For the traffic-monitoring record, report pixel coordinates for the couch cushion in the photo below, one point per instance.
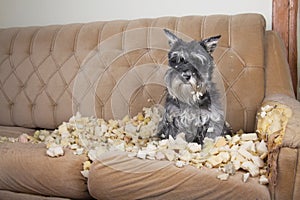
(26, 168)
(8, 195)
(49, 72)
(12, 131)
(116, 176)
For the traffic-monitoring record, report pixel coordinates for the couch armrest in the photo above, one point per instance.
(277, 71)
(278, 122)
(283, 140)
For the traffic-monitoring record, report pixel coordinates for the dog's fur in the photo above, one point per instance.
(193, 102)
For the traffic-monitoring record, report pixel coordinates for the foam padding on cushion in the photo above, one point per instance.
(26, 168)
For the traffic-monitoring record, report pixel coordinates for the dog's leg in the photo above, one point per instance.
(166, 126)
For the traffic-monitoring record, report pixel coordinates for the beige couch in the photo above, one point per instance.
(49, 73)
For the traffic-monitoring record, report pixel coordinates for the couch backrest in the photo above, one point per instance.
(114, 68)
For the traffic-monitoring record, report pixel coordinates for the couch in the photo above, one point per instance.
(113, 68)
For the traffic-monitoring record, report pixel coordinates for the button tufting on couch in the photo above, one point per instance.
(109, 69)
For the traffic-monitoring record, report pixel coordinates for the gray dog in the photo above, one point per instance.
(193, 103)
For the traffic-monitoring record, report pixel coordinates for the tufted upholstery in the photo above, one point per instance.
(110, 69)
(114, 68)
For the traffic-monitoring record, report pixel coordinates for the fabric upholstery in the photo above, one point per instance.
(288, 178)
(279, 89)
(113, 68)
(8, 195)
(292, 135)
(278, 78)
(287, 165)
(48, 73)
(147, 179)
(11, 131)
(25, 168)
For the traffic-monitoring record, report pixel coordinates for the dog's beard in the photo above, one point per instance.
(187, 91)
(192, 103)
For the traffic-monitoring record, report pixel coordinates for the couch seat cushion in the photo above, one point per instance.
(117, 176)
(13, 131)
(26, 168)
(9, 195)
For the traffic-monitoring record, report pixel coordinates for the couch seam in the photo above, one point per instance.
(124, 30)
(9, 101)
(42, 81)
(99, 39)
(176, 25)
(67, 88)
(33, 39)
(59, 66)
(229, 31)
(53, 43)
(295, 172)
(202, 27)
(13, 67)
(76, 38)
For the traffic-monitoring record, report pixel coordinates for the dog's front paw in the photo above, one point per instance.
(227, 129)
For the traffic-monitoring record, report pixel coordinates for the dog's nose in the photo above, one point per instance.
(186, 77)
(181, 60)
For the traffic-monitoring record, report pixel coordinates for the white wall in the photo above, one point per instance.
(44, 12)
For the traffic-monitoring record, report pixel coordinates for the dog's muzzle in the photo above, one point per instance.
(199, 89)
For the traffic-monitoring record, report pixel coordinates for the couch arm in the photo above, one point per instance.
(278, 122)
(283, 137)
(277, 72)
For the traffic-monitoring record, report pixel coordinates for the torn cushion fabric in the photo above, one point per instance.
(285, 163)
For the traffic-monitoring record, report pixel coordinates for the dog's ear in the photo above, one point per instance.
(210, 44)
(172, 38)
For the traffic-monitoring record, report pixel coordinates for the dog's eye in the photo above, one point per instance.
(173, 61)
(177, 60)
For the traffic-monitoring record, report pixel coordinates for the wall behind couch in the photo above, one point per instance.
(43, 12)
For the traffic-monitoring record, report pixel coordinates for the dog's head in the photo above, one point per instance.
(191, 67)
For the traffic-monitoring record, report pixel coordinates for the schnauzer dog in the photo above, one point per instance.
(193, 103)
